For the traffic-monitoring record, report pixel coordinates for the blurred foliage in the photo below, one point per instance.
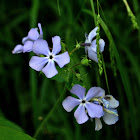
(27, 96)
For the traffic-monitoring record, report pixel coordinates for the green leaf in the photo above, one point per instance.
(62, 75)
(6, 123)
(11, 134)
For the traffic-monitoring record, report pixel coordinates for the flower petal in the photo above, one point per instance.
(56, 45)
(28, 46)
(94, 92)
(37, 63)
(41, 47)
(33, 34)
(62, 59)
(93, 45)
(92, 34)
(40, 28)
(69, 103)
(80, 114)
(78, 90)
(98, 124)
(94, 111)
(49, 70)
(102, 45)
(24, 39)
(112, 102)
(92, 55)
(110, 118)
(17, 49)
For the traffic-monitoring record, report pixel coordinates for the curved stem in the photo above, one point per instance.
(73, 50)
(49, 114)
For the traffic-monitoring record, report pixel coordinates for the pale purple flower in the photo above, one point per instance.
(91, 50)
(28, 41)
(47, 64)
(110, 116)
(85, 105)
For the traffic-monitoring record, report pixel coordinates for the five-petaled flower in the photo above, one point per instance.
(85, 106)
(91, 50)
(28, 41)
(110, 116)
(47, 64)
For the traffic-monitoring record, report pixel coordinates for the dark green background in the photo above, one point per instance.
(18, 82)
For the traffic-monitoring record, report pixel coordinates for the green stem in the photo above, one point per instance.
(105, 74)
(73, 50)
(49, 114)
(75, 65)
(33, 79)
(58, 7)
(93, 11)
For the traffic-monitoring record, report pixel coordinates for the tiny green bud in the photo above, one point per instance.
(85, 61)
(78, 45)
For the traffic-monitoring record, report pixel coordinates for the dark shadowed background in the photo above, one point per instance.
(70, 20)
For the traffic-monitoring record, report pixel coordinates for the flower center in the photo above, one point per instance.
(50, 57)
(83, 101)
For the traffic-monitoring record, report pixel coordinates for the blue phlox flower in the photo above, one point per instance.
(85, 106)
(47, 64)
(91, 50)
(28, 41)
(110, 116)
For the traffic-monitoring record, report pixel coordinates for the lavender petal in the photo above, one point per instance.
(33, 34)
(92, 34)
(80, 114)
(69, 103)
(98, 124)
(78, 90)
(95, 92)
(110, 118)
(24, 39)
(41, 47)
(28, 46)
(101, 45)
(62, 59)
(40, 28)
(37, 63)
(17, 49)
(92, 55)
(56, 45)
(113, 103)
(49, 70)
(94, 111)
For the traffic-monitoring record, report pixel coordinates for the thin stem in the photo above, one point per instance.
(93, 11)
(73, 50)
(58, 7)
(50, 113)
(75, 65)
(33, 81)
(105, 74)
(98, 6)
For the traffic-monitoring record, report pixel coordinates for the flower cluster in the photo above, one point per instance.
(91, 47)
(35, 42)
(94, 104)
(28, 41)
